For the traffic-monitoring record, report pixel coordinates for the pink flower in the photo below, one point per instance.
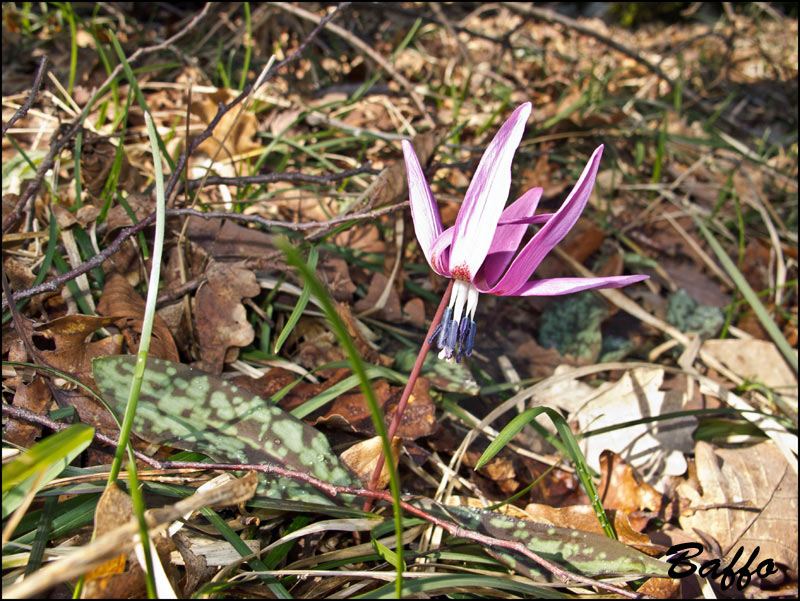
(481, 250)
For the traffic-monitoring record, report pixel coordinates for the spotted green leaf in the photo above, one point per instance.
(190, 409)
(587, 553)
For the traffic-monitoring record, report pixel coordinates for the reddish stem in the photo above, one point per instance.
(412, 378)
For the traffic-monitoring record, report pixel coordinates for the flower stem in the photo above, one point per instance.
(412, 378)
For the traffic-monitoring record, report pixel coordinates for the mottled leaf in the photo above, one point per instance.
(689, 316)
(190, 409)
(578, 551)
(572, 325)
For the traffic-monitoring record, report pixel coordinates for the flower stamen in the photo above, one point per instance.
(455, 335)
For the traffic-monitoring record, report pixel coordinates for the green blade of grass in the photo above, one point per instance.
(573, 450)
(293, 258)
(299, 307)
(750, 295)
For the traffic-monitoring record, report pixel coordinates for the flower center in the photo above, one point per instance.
(455, 335)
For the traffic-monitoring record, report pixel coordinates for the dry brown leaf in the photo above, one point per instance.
(72, 354)
(111, 580)
(748, 499)
(221, 317)
(20, 276)
(124, 307)
(622, 489)
(142, 206)
(391, 311)
(35, 397)
(365, 237)
(583, 517)
(661, 588)
(415, 313)
(242, 126)
(97, 159)
(333, 270)
(350, 410)
(362, 458)
(226, 240)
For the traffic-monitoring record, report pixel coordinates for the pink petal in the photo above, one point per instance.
(511, 228)
(440, 252)
(540, 218)
(557, 286)
(424, 212)
(552, 232)
(485, 197)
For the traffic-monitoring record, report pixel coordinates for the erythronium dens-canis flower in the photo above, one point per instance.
(481, 250)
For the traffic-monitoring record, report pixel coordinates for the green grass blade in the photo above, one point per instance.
(293, 258)
(299, 307)
(750, 295)
(571, 444)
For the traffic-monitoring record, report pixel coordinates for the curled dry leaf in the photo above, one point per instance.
(125, 308)
(621, 488)
(220, 315)
(583, 517)
(72, 354)
(111, 580)
(34, 397)
(351, 410)
(362, 458)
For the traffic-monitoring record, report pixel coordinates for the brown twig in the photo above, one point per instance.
(334, 489)
(56, 426)
(98, 259)
(287, 176)
(23, 110)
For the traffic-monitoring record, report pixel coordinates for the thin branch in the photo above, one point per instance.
(287, 176)
(114, 246)
(23, 110)
(56, 426)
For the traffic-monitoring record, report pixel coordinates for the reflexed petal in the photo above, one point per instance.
(551, 233)
(485, 197)
(507, 237)
(557, 286)
(424, 211)
(440, 252)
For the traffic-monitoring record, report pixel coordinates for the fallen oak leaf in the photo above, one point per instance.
(125, 308)
(72, 354)
(221, 317)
